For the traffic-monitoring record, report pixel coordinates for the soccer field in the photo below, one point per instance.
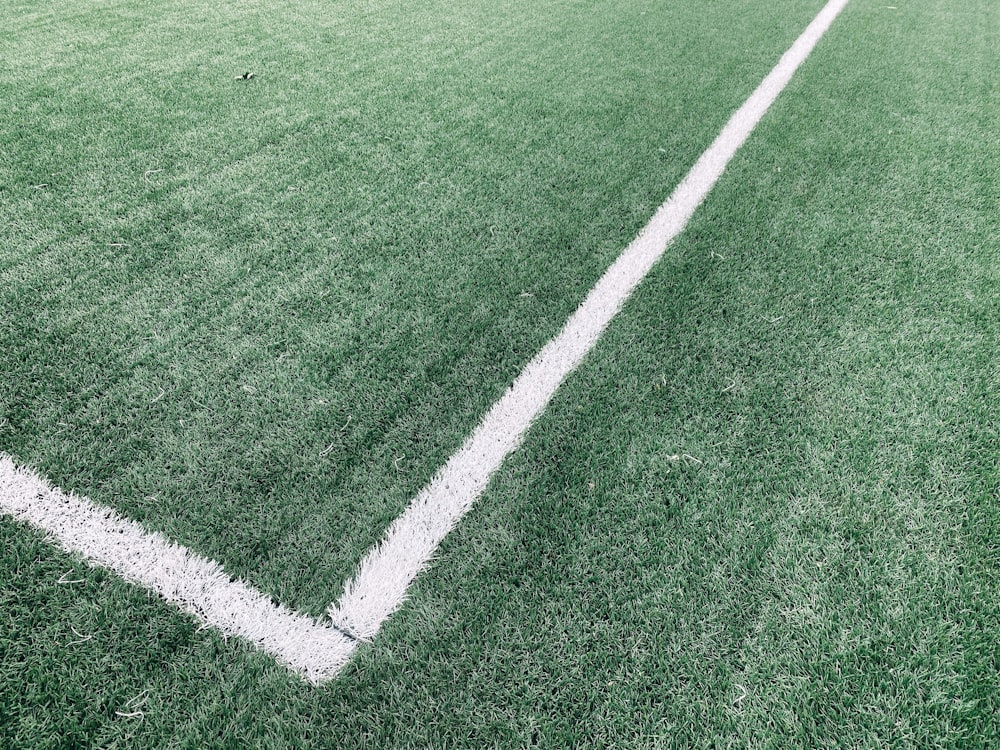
(257, 314)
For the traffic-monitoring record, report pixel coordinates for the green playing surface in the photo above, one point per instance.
(257, 315)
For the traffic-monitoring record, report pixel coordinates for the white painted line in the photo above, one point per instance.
(313, 649)
(380, 583)
(196, 584)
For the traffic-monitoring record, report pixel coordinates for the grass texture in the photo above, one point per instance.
(762, 514)
(257, 315)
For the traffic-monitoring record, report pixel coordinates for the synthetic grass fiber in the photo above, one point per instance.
(257, 315)
(762, 514)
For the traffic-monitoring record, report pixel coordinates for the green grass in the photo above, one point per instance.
(822, 572)
(219, 274)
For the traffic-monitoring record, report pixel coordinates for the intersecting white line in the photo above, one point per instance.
(318, 650)
(194, 583)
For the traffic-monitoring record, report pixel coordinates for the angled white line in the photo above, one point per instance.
(194, 583)
(379, 586)
(314, 649)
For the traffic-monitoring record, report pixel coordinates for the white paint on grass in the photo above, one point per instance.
(379, 586)
(196, 584)
(317, 650)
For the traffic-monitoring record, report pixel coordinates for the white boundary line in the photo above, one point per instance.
(379, 586)
(316, 650)
(194, 583)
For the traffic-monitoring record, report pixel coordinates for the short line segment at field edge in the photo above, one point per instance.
(318, 650)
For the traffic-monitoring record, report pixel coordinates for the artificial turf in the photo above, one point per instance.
(762, 514)
(256, 315)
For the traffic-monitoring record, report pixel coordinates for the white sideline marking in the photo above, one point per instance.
(379, 586)
(196, 584)
(318, 651)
